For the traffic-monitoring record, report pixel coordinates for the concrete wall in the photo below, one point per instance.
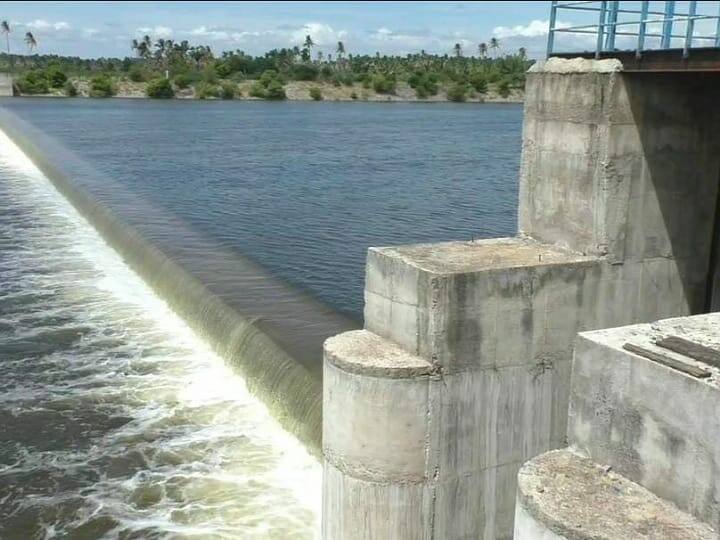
(496, 320)
(655, 425)
(623, 165)
(6, 85)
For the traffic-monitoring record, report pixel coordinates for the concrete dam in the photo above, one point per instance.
(469, 358)
(272, 332)
(557, 384)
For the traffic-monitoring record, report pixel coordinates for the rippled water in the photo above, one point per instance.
(115, 420)
(303, 188)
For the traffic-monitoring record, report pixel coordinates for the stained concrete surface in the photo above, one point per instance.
(562, 495)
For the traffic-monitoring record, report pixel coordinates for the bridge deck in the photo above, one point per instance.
(662, 60)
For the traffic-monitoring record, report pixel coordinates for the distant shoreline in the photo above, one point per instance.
(298, 91)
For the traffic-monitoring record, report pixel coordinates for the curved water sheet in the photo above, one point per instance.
(115, 419)
(271, 331)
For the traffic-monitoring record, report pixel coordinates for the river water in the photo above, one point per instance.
(115, 420)
(118, 419)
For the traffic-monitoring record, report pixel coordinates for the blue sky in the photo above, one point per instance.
(92, 29)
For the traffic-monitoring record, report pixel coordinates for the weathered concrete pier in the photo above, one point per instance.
(6, 85)
(644, 438)
(462, 372)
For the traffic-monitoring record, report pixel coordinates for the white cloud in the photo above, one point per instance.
(534, 28)
(42, 24)
(209, 33)
(322, 34)
(156, 32)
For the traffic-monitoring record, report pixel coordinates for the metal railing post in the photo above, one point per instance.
(717, 30)
(551, 28)
(612, 21)
(601, 29)
(643, 27)
(667, 25)
(690, 28)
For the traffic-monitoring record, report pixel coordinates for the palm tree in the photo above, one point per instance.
(522, 51)
(483, 50)
(340, 49)
(457, 49)
(494, 44)
(5, 29)
(30, 41)
(143, 47)
(309, 42)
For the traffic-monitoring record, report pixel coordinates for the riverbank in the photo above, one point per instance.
(300, 91)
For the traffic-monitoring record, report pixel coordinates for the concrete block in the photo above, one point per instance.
(467, 290)
(649, 421)
(563, 495)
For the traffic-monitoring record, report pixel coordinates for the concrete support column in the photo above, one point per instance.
(618, 190)
(378, 477)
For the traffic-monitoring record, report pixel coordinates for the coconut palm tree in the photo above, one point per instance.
(309, 44)
(457, 49)
(494, 44)
(522, 51)
(5, 29)
(483, 49)
(30, 41)
(142, 48)
(340, 49)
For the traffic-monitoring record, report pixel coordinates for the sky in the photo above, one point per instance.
(95, 29)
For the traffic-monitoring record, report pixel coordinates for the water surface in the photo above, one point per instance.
(303, 188)
(115, 420)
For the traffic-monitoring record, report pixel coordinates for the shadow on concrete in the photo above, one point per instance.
(678, 119)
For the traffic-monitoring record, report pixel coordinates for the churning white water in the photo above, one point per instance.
(115, 419)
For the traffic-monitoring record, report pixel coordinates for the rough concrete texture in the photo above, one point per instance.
(612, 161)
(576, 65)
(611, 164)
(6, 85)
(562, 495)
(656, 425)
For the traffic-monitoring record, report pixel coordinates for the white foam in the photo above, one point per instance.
(194, 375)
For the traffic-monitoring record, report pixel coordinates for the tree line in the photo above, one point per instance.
(168, 66)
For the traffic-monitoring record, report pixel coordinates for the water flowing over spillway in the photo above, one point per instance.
(115, 416)
(158, 284)
(272, 332)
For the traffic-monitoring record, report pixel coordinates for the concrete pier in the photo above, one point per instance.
(644, 439)
(618, 194)
(6, 85)
(564, 496)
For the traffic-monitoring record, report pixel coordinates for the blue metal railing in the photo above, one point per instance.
(631, 20)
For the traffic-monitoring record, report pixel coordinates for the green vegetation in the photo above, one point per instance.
(503, 88)
(206, 90)
(101, 86)
(33, 82)
(55, 77)
(269, 86)
(70, 89)
(425, 84)
(160, 88)
(228, 90)
(458, 92)
(185, 79)
(136, 74)
(316, 93)
(460, 73)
